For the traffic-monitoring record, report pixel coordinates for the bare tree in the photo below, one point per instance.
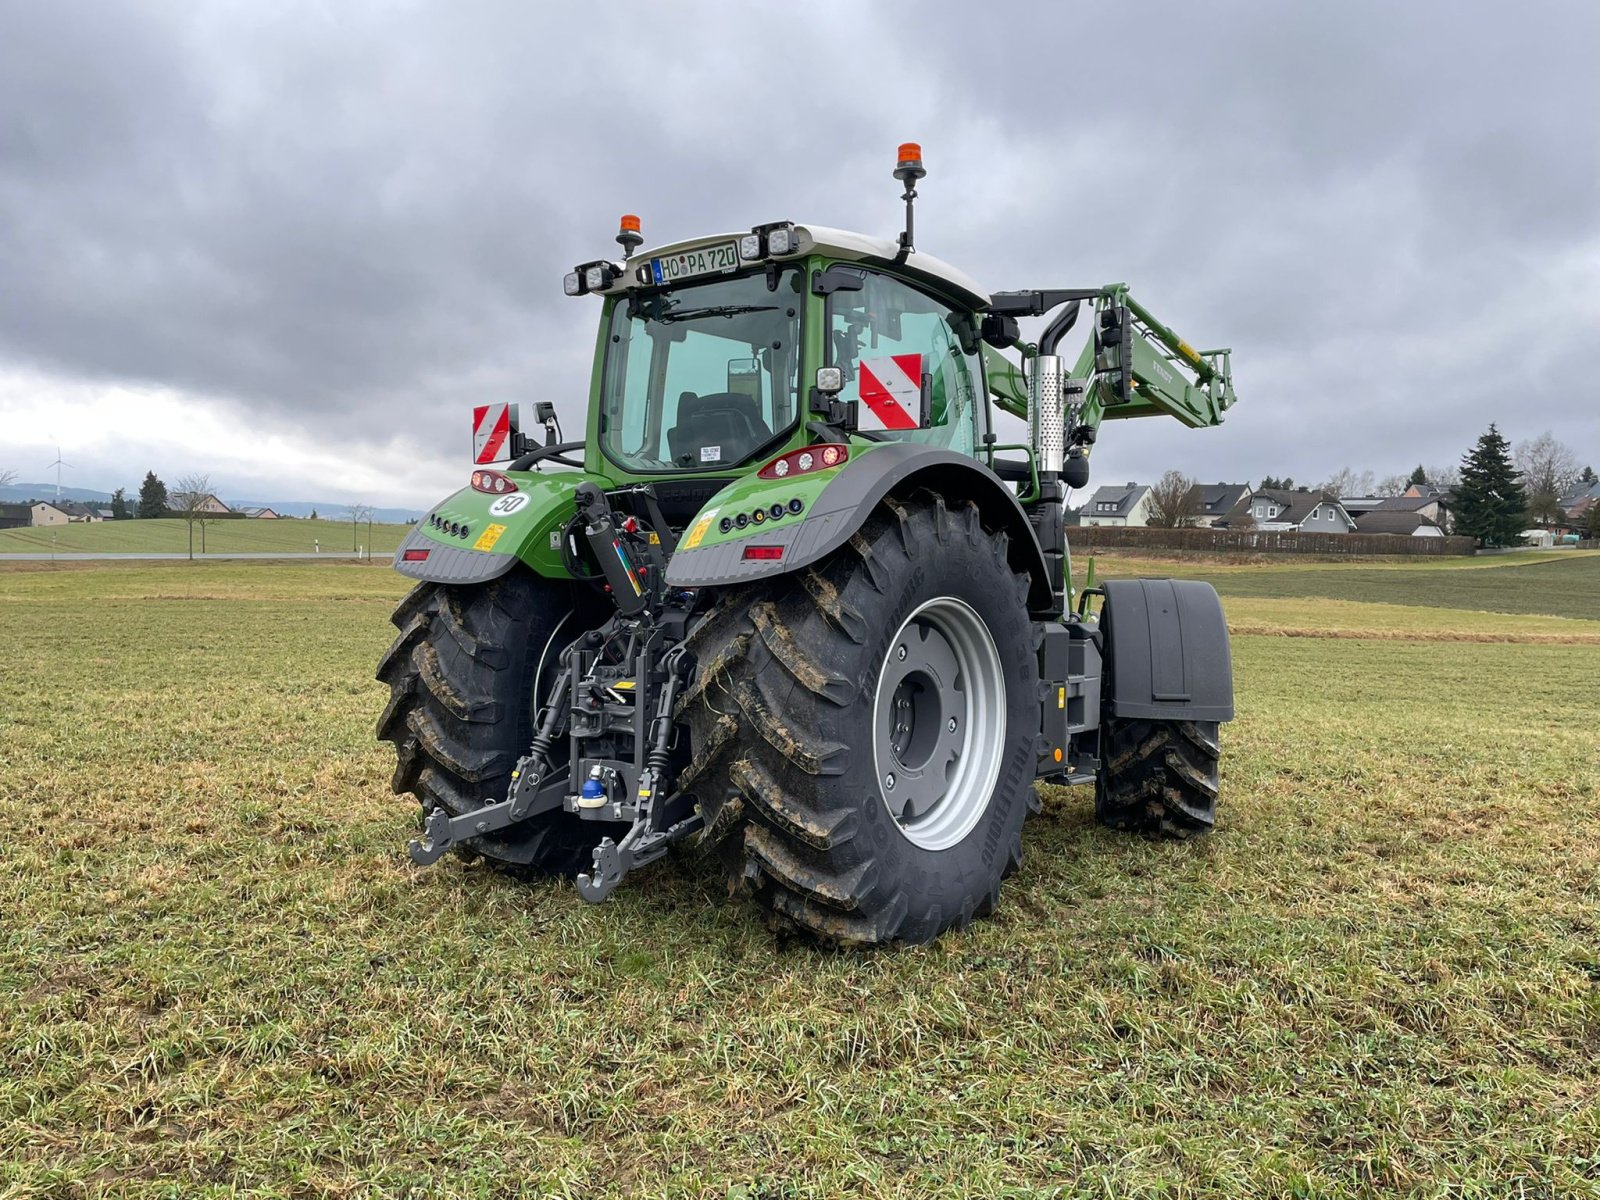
(1173, 501)
(1445, 478)
(189, 502)
(1244, 522)
(1548, 469)
(1392, 485)
(7, 476)
(359, 513)
(1346, 482)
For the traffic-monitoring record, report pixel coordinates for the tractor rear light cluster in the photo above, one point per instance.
(763, 553)
(799, 462)
(458, 529)
(492, 482)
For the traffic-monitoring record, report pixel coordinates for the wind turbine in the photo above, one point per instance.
(58, 464)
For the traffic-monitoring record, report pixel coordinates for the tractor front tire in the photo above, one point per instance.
(1158, 777)
(462, 675)
(863, 732)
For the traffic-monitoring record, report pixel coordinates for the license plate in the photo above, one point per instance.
(707, 260)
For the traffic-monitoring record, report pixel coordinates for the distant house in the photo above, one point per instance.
(1112, 505)
(45, 513)
(106, 514)
(1408, 524)
(77, 513)
(1273, 510)
(260, 514)
(1423, 498)
(1211, 502)
(178, 502)
(16, 516)
(1577, 503)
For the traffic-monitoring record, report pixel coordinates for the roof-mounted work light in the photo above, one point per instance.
(590, 277)
(778, 238)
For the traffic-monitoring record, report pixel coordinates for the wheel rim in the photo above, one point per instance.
(939, 723)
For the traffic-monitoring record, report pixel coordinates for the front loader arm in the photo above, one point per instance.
(1168, 376)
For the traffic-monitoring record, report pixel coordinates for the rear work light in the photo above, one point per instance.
(763, 553)
(799, 462)
(492, 482)
(415, 556)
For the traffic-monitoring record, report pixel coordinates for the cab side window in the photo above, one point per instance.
(890, 340)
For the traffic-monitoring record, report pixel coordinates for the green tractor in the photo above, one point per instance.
(792, 602)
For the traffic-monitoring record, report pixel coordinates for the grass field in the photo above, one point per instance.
(171, 535)
(220, 977)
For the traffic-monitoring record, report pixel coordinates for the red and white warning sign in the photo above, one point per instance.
(492, 427)
(891, 392)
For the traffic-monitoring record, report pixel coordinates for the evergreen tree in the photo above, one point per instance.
(1490, 503)
(119, 505)
(1270, 482)
(1418, 477)
(152, 497)
(1587, 476)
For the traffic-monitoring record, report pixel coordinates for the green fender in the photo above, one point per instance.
(836, 503)
(498, 531)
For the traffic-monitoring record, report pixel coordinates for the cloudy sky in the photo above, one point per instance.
(292, 243)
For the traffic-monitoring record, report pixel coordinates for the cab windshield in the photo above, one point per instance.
(703, 376)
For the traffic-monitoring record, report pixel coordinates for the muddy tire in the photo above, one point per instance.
(803, 706)
(1158, 777)
(461, 678)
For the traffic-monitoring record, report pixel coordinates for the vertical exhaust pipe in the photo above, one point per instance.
(1046, 413)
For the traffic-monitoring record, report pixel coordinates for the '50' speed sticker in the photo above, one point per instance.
(507, 505)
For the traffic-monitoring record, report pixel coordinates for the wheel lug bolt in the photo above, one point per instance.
(901, 654)
(952, 724)
(888, 781)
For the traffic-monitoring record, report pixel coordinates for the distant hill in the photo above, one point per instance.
(331, 509)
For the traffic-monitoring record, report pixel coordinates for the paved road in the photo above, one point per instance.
(65, 556)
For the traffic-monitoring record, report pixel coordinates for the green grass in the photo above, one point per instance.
(219, 976)
(1560, 583)
(171, 535)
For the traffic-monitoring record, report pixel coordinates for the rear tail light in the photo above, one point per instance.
(763, 553)
(415, 556)
(812, 458)
(492, 482)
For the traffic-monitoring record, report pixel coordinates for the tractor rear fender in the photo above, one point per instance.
(1166, 651)
(473, 536)
(709, 556)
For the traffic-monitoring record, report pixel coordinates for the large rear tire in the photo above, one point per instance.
(463, 675)
(864, 732)
(1158, 777)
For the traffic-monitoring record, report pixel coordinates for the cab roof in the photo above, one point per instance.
(845, 246)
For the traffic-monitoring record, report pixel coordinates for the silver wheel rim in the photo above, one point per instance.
(938, 723)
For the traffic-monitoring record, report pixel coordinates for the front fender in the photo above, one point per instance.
(497, 531)
(836, 503)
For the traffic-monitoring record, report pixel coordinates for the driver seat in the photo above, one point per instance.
(729, 421)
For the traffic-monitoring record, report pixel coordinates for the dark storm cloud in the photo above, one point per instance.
(354, 217)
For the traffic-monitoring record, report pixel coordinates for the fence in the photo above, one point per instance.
(1250, 541)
